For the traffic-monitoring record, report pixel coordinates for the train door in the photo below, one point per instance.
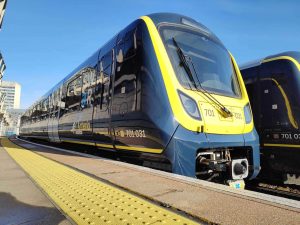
(103, 135)
(49, 128)
(44, 117)
(127, 91)
(84, 124)
(53, 116)
(76, 116)
(69, 113)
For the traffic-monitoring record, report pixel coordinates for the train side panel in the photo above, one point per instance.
(141, 115)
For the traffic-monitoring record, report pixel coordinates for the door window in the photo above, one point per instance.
(105, 76)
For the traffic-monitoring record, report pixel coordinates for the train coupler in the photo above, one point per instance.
(214, 163)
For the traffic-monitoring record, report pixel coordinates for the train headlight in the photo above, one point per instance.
(247, 113)
(190, 106)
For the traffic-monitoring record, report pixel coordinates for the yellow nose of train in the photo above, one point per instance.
(218, 123)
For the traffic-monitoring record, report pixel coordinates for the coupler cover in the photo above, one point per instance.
(239, 169)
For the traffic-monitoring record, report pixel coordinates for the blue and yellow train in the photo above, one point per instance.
(273, 85)
(164, 88)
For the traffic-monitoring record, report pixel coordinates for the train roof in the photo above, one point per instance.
(159, 18)
(294, 54)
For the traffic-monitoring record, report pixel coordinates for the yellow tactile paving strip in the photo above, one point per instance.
(86, 200)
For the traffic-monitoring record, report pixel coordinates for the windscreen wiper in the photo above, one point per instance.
(184, 62)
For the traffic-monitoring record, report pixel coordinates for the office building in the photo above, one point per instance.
(10, 95)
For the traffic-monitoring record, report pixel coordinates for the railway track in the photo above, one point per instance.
(286, 191)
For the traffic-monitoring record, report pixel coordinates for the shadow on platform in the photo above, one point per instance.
(13, 211)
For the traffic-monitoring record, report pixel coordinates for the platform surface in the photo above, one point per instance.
(205, 201)
(87, 200)
(21, 202)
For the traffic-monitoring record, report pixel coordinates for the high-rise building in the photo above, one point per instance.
(2, 64)
(2, 67)
(2, 10)
(9, 92)
(10, 95)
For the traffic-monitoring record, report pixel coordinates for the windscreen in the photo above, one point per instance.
(210, 62)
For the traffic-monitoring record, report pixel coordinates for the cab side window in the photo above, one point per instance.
(128, 45)
(126, 77)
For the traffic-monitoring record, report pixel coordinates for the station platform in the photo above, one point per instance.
(21, 201)
(85, 189)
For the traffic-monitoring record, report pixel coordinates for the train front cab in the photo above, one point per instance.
(208, 141)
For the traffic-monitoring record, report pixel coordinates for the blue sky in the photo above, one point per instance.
(42, 41)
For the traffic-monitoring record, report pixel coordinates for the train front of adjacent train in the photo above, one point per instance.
(215, 136)
(273, 87)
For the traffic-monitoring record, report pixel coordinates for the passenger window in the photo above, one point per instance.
(39, 111)
(45, 109)
(105, 73)
(52, 106)
(54, 102)
(34, 114)
(31, 115)
(63, 97)
(88, 87)
(98, 88)
(50, 102)
(74, 94)
(56, 97)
